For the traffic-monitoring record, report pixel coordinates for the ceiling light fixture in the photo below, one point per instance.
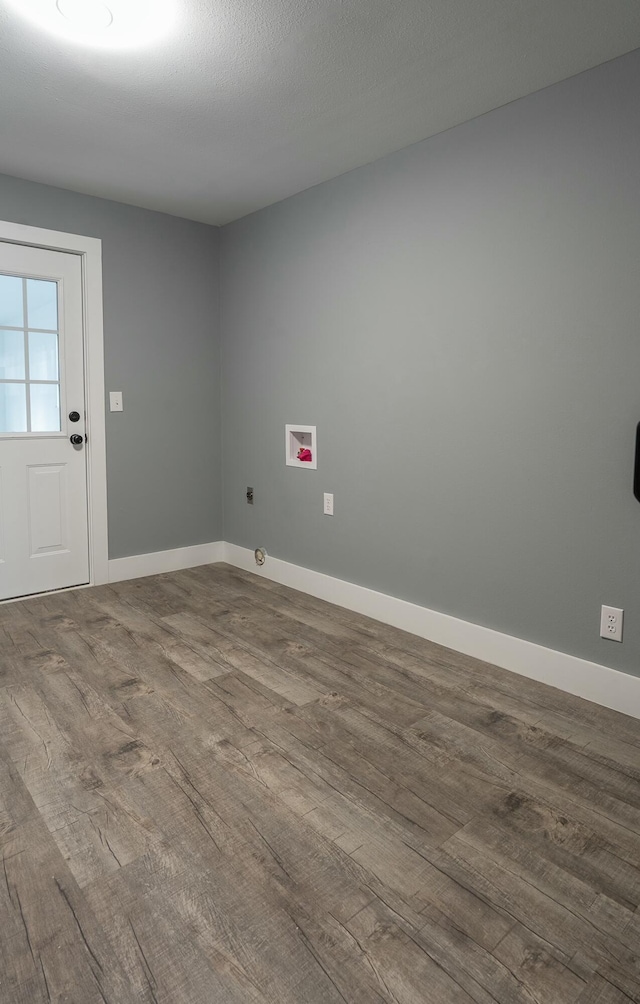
(104, 24)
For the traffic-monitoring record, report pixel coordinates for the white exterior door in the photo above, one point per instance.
(43, 475)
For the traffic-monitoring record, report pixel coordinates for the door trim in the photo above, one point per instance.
(90, 251)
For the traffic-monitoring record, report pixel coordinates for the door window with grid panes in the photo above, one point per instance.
(29, 355)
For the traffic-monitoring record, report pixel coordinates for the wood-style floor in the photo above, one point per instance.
(215, 790)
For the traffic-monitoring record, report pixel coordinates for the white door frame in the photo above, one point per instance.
(90, 251)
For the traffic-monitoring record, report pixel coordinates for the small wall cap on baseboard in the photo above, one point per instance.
(260, 554)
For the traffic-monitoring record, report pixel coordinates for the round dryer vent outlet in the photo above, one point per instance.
(260, 555)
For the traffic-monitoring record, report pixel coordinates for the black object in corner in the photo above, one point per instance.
(636, 472)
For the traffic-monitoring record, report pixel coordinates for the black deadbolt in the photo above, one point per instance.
(76, 439)
(74, 416)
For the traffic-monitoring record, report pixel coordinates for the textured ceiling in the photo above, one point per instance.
(253, 100)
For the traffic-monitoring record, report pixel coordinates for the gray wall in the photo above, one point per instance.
(462, 321)
(162, 351)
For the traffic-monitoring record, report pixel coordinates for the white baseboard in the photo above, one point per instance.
(605, 686)
(139, 565)
(600, 684)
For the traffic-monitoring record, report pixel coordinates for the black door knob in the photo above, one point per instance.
(74, 416)
(76, 439)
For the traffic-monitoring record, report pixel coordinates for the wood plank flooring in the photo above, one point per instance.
(216, 790)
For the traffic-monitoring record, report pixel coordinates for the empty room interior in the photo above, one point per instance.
(319, 502)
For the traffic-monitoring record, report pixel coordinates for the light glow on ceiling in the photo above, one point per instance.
(90, 16)
(104, 24)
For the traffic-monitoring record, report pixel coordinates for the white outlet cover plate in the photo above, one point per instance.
(611, 619)
(328, 503)
(115, 400)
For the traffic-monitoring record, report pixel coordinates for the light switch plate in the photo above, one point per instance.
(115, 400)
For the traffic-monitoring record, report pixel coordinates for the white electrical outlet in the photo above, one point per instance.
(115, 400)
(328, 504)
(611, 623)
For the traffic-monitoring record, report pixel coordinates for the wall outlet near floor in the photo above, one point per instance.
(328, 504)
(250, 496)
(611, 623)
